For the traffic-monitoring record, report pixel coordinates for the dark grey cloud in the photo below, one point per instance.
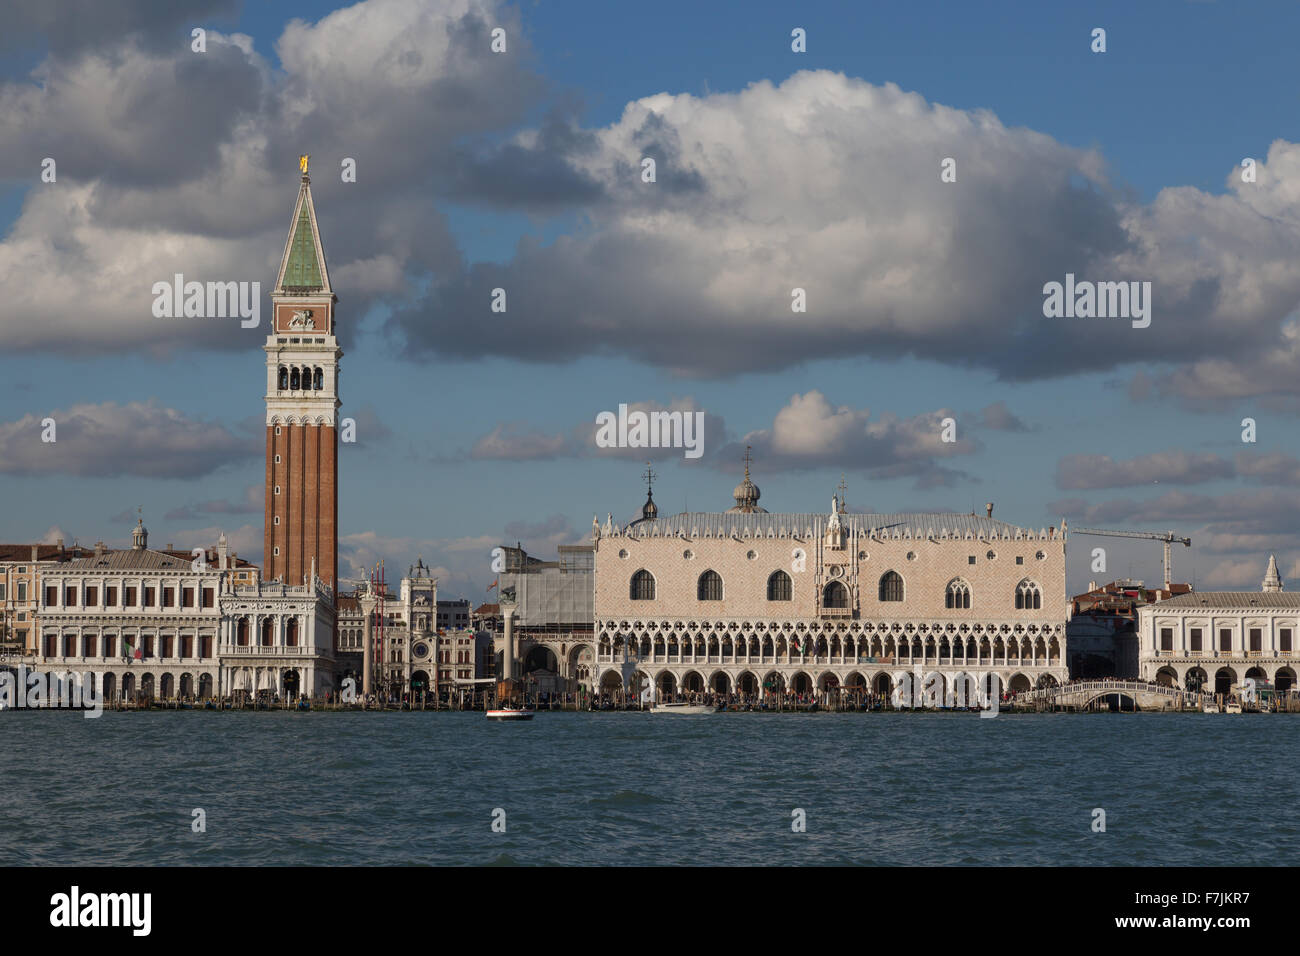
(128, 117)
(525, 530)
(1085, 471)
(1255, 511)
(68, 26)
(1268, 469)
(252, 502)
(997, 417)
(807, 433)
(538, 175)
(1232, 533)
(1169, 467)
(521, 441)
(143, 439)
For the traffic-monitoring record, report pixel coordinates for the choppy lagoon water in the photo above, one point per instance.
(619, 788)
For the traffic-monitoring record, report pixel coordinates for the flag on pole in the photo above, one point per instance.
(493, 584)
(131, 649)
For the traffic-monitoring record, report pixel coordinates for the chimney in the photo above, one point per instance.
(169, 546)
(59, 542)
(99, 550)
(36, 549)
(988, 507)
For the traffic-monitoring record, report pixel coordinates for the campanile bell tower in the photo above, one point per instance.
(302, 369)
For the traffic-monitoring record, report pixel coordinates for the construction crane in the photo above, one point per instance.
(1168, 537)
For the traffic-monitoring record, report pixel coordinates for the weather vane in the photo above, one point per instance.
(302, 163)
(649, 477)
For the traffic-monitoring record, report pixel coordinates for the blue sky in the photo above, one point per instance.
(1182, 94)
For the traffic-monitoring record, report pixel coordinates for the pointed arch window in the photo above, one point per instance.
(318, 380)
(643, 586)
(294, 380)
(891, 586)
(1028, 596)
(835, 595)
(709, 587)
(957, 595)
(779, 587)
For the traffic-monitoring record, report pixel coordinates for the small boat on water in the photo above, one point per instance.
(510, 712)
(1232, 707)
(682, 708)
(1210, 707)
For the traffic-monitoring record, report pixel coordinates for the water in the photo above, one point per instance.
(613, 788)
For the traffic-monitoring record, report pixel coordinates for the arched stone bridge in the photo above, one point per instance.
(1080, 696)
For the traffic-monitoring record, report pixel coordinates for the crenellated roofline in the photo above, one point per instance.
(903, 526)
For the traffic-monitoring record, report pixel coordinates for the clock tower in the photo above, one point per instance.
(302, 369)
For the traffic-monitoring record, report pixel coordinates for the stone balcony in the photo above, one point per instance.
(275, 650)
(835, 612)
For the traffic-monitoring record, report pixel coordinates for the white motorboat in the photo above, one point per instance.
(1232, 707)
(682, 708)
(1210, 707)
(510, 712)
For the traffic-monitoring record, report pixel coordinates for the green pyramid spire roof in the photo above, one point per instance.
(303, 266)
(302, 271)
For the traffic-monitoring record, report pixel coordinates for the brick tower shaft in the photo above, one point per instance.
(302, 369)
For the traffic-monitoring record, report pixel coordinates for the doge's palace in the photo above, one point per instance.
(746, 600)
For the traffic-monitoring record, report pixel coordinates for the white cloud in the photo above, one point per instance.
(53, 534)
(809, 432)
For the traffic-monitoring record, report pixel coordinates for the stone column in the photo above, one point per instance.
(508, 649)
(366, 678)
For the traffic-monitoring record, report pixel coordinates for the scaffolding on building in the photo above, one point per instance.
(553, 596)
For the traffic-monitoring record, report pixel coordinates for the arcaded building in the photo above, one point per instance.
(743, 600)
(1212, 640)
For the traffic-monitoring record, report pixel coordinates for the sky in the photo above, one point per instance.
(775, 170)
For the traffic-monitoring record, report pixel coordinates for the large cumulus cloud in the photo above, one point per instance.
(831, 184)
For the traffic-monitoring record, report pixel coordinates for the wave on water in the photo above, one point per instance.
(627, 798)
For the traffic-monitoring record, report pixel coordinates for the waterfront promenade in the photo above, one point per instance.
(1082, 696)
